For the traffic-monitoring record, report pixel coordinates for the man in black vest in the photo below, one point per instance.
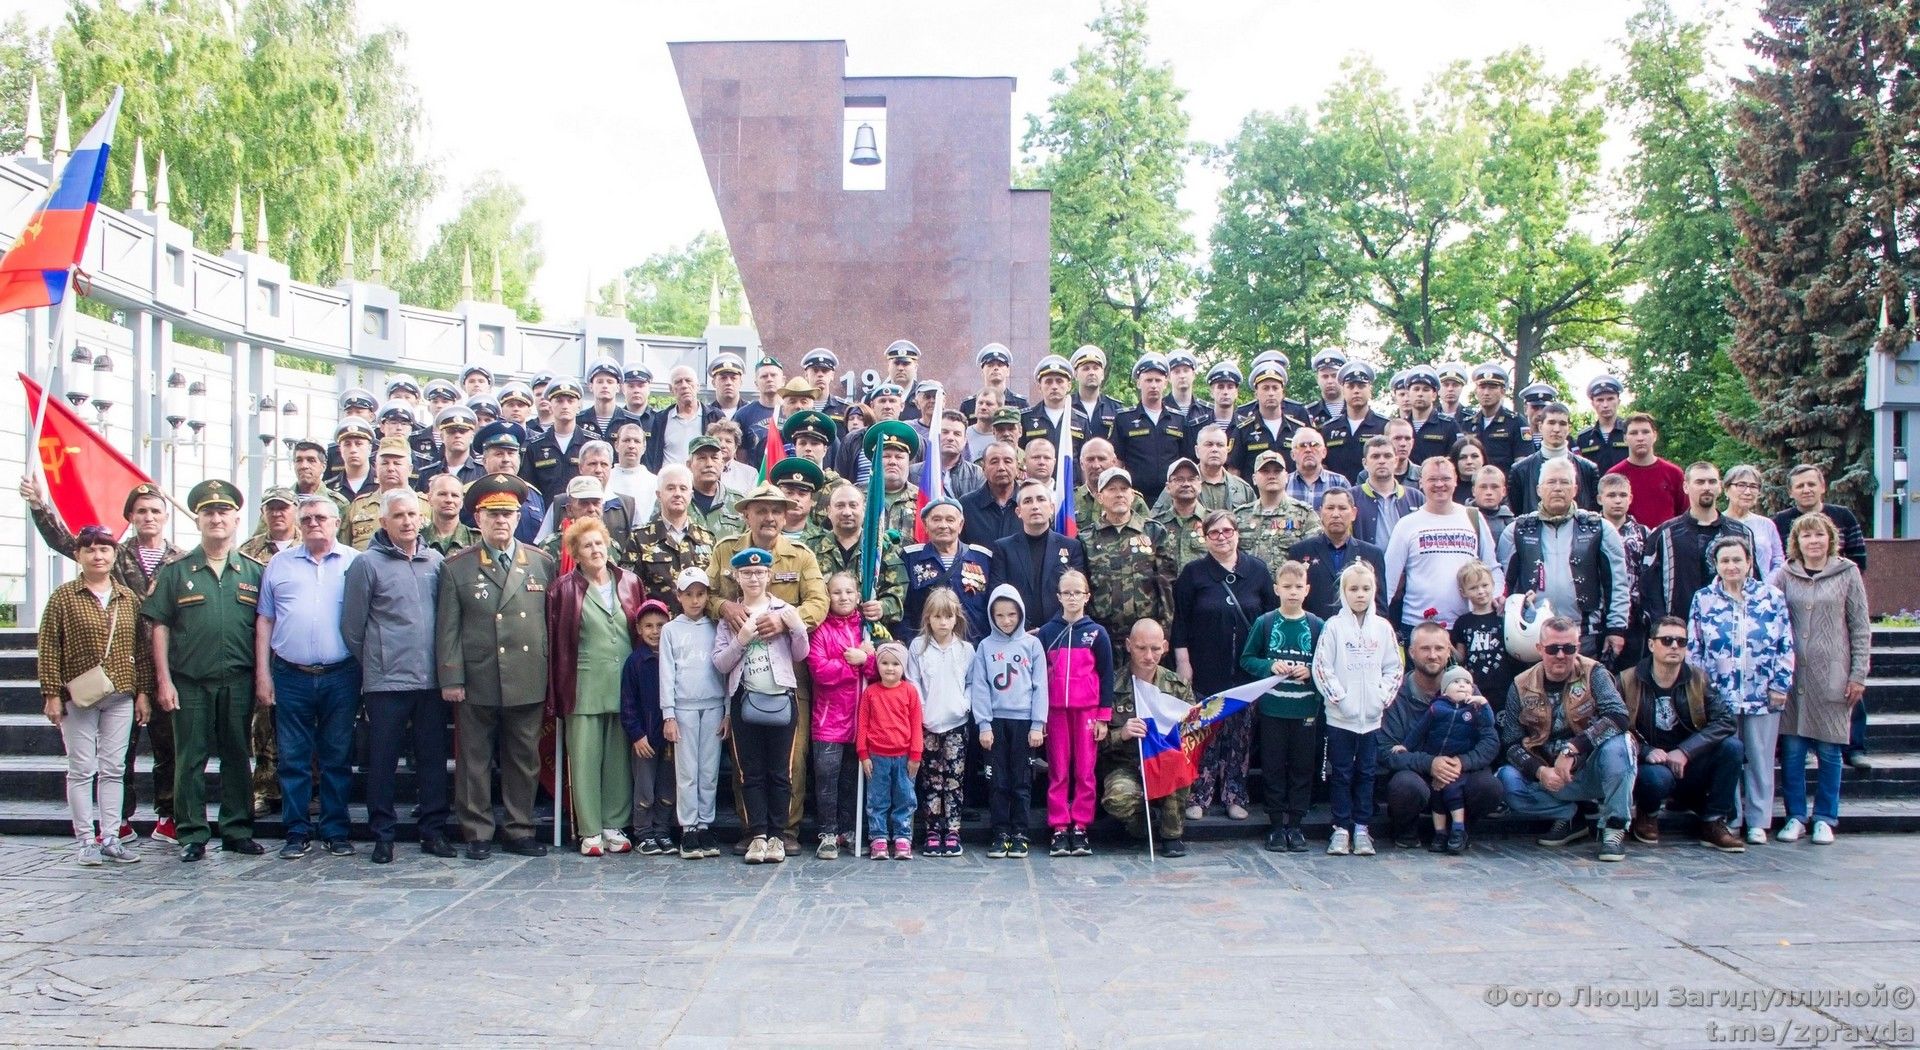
(1574, 559)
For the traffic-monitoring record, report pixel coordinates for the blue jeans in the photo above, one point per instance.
(1708, 788)
(1793, 778)
(1605, 777)
(1351, 760)
(313, 716)
(890, 798)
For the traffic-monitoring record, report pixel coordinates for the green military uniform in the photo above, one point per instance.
(462, 537)
(724, 519)
(1184, 535)
(1132, 571)
(1269, 533)
(1118, 765)
(209, 620)
(362, 519)
(890, 592)
(491, 640)
(1229, 492)
(657, 558)
(900, 510)
(829, 480)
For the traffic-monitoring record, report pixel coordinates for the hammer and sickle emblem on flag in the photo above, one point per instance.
(53, 457)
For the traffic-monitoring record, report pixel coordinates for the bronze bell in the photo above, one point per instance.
(866, 151)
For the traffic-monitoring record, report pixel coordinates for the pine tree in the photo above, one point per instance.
(1826, 169)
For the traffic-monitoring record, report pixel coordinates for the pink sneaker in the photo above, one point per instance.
(878, 851)
(902, 849)
(953, 844)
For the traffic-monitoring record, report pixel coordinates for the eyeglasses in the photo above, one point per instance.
(1217, 533)
(1072, 594)
(1671, 639)
(1563, 649)
(311, 519)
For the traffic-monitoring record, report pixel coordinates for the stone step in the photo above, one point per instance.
(1863, 815)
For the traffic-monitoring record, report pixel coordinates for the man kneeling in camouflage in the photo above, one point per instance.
(1118, 765)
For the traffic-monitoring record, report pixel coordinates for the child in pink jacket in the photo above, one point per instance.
(1079, 696)
(842, 663)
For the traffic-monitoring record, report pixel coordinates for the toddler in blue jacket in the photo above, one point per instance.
(1455, 722)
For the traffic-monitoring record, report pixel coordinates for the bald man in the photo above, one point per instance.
(1118, 765)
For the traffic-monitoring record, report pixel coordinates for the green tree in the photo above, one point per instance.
(488, 222)
(26, 55)
(286, 98)
(1829, 186)
(670, 293)
(1267, 283)
(1682, 210)
(1113, 148)
(1540, 283)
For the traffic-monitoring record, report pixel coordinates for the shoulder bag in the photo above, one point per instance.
(92, 685)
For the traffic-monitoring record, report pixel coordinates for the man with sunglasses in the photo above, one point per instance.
(1564, 731)
(1689, 751)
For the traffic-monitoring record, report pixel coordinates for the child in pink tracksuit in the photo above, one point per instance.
(842, 663)
(1079, 694)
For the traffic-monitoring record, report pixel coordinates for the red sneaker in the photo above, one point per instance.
(163, 831)
(127, 833)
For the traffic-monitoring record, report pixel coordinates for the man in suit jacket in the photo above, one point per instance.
(1033, 558)
(1328, 553)
(491, 643)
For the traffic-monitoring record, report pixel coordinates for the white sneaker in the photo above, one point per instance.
(112, 850)
(1337, 846)
(1362, 842)
(616, 840)
(1756, 836)
(1822, 833)
(90, 854)
(593, 846)
(1791, 830)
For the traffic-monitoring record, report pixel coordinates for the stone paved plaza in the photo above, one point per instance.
(1229, 947)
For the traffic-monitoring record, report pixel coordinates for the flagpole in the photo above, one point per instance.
(1146, 804)
(56, 351)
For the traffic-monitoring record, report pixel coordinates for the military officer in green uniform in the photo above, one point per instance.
(838, 550)
(1273, 523)
(893, 451)
(1128, 560)
(1117, 766)
(672, 540)
(799, 479)
(796, 581)
(810, 434)
(202, 608)
(491, 646)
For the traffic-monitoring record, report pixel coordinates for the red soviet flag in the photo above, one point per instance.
(87, 479)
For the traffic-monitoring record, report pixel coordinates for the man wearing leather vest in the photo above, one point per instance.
(1574, 559)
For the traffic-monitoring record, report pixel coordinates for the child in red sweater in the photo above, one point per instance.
(889, 744)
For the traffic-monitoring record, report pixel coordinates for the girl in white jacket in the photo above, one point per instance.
(1357, 667)
(940, 659)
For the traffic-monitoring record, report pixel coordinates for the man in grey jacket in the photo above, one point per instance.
(388, 623)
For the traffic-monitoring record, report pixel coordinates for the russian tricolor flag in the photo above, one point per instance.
(931, 486)
(1063, 480)
(1178, 732)
(36, 270)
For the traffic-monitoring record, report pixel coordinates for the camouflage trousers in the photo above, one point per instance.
(266, 777)
(1122, 798)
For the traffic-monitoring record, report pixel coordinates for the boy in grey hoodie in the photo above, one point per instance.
(1008, 692)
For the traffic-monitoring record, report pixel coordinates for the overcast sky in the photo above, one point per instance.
(577, 103)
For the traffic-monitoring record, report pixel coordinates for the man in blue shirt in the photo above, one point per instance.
(304, 671)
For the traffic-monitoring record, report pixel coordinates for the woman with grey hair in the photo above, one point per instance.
(1743, 484)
